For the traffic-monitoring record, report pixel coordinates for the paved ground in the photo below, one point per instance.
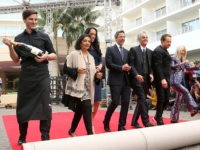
(5, 145)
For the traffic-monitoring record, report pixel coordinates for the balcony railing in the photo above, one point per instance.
(181, 5)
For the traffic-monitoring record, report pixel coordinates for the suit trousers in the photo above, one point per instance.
(163, 99)
(83, 108)
(182, 92)
(45, 126)
(141, 90)
(118, 92)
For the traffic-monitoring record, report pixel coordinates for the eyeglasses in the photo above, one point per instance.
(145, 37)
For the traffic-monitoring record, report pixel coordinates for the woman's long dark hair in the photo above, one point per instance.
(95, 43)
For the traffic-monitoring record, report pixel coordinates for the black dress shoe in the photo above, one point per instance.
(21, 141)
(136, 125)
(148, 124)
(121, 128)
(106, 127)
(174, 121)
(159, 121)
(45, 138)
(72, 134)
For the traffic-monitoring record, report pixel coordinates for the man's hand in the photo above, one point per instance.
(7, 42)
(42, 58)
(139, 78)
(151, 77)
(164, 83)
(126, 67)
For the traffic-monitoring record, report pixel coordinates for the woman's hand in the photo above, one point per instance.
(99, 75)
(81, 70)
(99, 67)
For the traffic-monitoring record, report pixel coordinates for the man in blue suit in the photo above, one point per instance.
(117, 63)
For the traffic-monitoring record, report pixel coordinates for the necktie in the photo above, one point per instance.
(121, 52)
(144, 54)
(145, 69)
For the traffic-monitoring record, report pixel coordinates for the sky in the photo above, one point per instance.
(16, 16)
(13, 16)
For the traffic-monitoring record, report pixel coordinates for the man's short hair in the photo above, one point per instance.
(164, 36)
(118, 32)
(26, 13)
(140, 34)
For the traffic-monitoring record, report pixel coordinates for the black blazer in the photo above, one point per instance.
(161, 64)
(136, 60)
(114, 63)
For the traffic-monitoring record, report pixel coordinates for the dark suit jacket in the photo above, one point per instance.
(136, 60)
(161, 64)
(114, 63)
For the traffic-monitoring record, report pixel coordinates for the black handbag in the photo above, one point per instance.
(70, 72)
(69, 101)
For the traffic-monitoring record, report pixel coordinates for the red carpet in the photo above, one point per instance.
(60, 125)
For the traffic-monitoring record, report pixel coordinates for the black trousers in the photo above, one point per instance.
(118, 92)
(45, 126)
(163, 99)
(83, 108)
(141, 90)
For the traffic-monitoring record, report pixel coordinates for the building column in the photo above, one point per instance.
(3, 78)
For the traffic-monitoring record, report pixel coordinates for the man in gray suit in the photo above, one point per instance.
(117, 63)
(141, 78)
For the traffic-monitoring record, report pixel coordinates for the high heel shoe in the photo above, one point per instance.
(193, 112)
(72, 134)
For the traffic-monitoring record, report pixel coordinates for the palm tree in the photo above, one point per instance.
(74, 21)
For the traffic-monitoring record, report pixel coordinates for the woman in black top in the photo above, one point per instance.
(33, 101)
(97, 55)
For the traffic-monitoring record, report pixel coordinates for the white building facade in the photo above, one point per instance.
(180, 18)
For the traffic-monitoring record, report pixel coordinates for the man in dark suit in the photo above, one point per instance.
(141, 78)
(161, 61)
(117, 63)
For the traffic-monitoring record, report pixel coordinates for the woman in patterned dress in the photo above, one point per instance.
(178, 65)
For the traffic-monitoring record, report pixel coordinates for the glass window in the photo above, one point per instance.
(139, 21)
(160, 12)
(160, 33)
(187, 2)
(191, 25)
(138, 2)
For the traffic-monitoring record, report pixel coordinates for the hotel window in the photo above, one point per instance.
(160, 33)
(191, 25)
(137, 2)
(160, 12)
(138, 21)
(187, 2)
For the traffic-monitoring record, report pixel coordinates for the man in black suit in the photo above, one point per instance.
(117, 63)
(161, 61)
(141, 78)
